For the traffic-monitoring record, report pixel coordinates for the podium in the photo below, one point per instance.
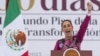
(60, 53)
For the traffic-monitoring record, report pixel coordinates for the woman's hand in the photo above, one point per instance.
(89, 6)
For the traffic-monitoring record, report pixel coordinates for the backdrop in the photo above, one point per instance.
(42, 21)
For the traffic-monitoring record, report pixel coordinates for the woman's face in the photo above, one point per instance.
(67, 28)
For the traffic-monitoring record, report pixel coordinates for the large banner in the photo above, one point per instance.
(42, 20)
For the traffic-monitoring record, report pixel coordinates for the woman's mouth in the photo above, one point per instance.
(67, 31)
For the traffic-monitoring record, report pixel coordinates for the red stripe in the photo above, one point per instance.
(7, 1)
(25, 54)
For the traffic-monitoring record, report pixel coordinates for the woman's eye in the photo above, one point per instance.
(68, 25)
(64, 26)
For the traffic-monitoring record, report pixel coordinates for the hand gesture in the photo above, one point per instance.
(89, 6)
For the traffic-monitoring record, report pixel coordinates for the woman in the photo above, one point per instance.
(71, 41)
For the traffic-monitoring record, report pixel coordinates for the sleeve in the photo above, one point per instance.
(83, 28)
(57, 46)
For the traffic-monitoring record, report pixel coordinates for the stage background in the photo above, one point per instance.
(43, 26)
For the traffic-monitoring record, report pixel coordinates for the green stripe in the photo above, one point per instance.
(12, 12)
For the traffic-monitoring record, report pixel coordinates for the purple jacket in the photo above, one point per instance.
(79, 36)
